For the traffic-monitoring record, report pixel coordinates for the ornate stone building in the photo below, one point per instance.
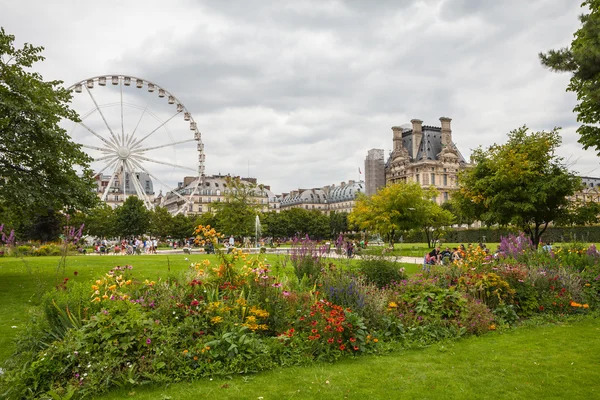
(424, 154)
(196, 198)
(327, 199)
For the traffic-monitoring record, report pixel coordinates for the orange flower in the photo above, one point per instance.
(586, 306)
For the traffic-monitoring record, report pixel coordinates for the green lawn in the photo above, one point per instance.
(555, 361)
(545, 362)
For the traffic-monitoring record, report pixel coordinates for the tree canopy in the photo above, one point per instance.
(236, 215)
(132, 218)
(522, 182)
(400, 208)
(38, 160)
(582, 59)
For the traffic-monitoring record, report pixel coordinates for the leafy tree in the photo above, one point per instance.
(132, 218)
(100, 221)
(38, 160)
(437, 219)
(236, 215)
(523, 182)
(580, 214)
(394, 209)
(338, 223)
(463, 213)
(183, 227)
(47, 226)
(582, 60)
(161, 222)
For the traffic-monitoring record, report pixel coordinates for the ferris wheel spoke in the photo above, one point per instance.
(112, 145)
(136, 184)
(122, 124)
(108, 157)
(102, 115)
(102, 149)
(107, 166)
(190, 198)
(138, 142)
(132, 135)
(162, 146)
(157, 179)
(163, 163)
(109, 185)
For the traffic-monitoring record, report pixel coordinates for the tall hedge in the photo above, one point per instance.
(589, 234)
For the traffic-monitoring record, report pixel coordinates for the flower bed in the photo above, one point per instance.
(241, 315)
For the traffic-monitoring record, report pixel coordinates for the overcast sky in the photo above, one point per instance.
(297, 92)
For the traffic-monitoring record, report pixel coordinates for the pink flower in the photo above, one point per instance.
(148, 341)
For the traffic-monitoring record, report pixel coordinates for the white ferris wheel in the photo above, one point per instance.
(138, 135)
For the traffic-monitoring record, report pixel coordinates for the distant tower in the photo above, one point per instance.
(374, 171)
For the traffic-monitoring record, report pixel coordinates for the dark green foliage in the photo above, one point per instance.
(299, 222)
(132, 218)
(380, 270)
(38, 160)
(582, 60)
(521, 183)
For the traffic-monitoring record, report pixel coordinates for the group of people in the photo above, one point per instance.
(132, 246)
(438, 256)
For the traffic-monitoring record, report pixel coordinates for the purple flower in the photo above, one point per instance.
(148, 341)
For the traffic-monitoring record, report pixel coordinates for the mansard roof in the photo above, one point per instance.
(431, 144)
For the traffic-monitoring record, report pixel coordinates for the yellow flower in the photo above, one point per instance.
(96, 299)
(112, 287)
(216, 320)
(185, 352)
(375, 340)
(392, 305)
(105, 297)
(492, 327)
(128, 282)
(95, 287)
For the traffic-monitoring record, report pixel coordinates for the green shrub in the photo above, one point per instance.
(478, 318)
(380, 271)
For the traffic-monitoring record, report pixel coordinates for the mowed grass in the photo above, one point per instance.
(542, 362)
(553, 361)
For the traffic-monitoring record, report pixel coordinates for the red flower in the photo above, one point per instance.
(342, 347)
(314, 331)
(352, 339)
(356, 348)
(330, 340)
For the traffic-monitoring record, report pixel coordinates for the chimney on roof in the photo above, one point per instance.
(446, 131)
(417, 134)
(397, 138)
